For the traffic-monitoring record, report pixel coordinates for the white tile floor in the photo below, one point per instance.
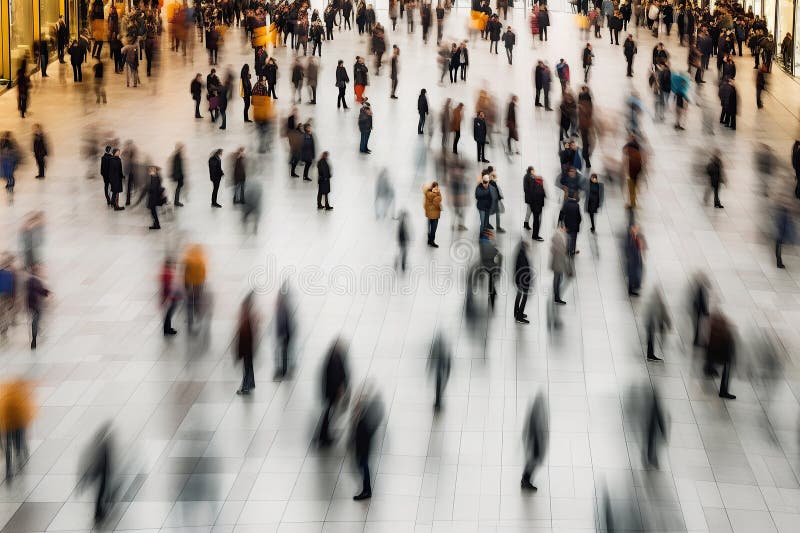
(197, 458)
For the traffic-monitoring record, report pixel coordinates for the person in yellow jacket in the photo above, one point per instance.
(16, 413)
(433, 210)
(194, 278)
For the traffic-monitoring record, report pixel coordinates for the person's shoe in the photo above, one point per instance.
(500, 230)
(119, 209)
(527, 485)
(591, 229)
(526, 226)
(719, 206)
(242, 391)
(368, 151)
(295, 175)
(362, 496)
(653, 358)
(154, 227)
(633, 293)
(222, 127)
(178, 204)
(329, 208)
(489, 226)
(433, 245)
(198, 116)
(539, 105)
(393, 97)
(216, 205)
(560, 302)
(306, 179)
(248, 120)
(485, 161)
(522, 320)
(320, 207)
(537, 238)
(548, 108)
(781, 265)
(324, 443)
(33, 344)
(170, 331)
(727, 395)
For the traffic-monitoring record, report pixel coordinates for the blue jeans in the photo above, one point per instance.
(484, 219)
(364, 140)
(433, 223)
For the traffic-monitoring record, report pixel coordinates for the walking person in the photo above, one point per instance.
(629, 50)
(433, 210)
(570, 218)
(239, 175)
(367, 415)
(535, 437)
(284, 330)
(511, 125)
(560, 262)
(23, 88)
(176, 173)
(271, 75)
(365, 127)
(196, 90)
(308, 151)
(720, 350)
(155, 195)
(594, 198)
(215, 174)
(169, 295)
(76, 56)
(115, 179)
(324, 175)
(483, 199)
(523, 280)
(479, 132)
(35, 294)
(716, 178)
(635, 247)
(312, 74)
(360, 78)
(246, 90)
(588, 60)
(509, 40)
(455, 126)
(657, 321)
(439, 363)
(246, 335)
(534, 193)
(335, 382)
(394, 70)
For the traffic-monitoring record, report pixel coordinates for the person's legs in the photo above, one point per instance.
(557, 286)
(778, 253)
(324, 438)
(214, 192)
(168, 317)
(456, 137)
(35, 315)
(537, 220)
(40, 166)
(306, 168)
(528, 213)
(724, 381)
(154, 214)
(178, 195)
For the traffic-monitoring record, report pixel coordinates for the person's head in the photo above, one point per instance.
(340, 63)
(530, 171)
(324, 155)
(593, 178)
(434, 185)
(108, 149)
(481, 114)
(213, 71)
(218, 152)
(485, 180)
(514, 98)
(116, 152)
(307, 128)
(572, 172)
(423, 92)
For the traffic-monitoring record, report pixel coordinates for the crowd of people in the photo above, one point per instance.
(578, 186)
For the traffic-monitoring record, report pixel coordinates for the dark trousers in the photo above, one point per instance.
(493, 44)
(316, 46)
(97, 47)
(178, 193)
(481, 151)
(543, 32)
(463, 72)
(284, 355)
(340, 99)
(394, 86)
(629, 71)
(15, 443)
(453, 74)
(614, 35)
(248, 376)
(246, 100)
(572, 241)
(651, 338)
(320, 196)
(40, 166)
(510, 54)
(107, 191)
(715, 188)
(421, 123)
(365, 140)
(214, 191)
(363, 466)
(537, 221)
(197, 109)
(455, 141)
(519, 303)
(35, 317)
(557, 285)
(725, 380)
(238, 193)
(77, 73)
(591, 218)
(433, 223)
(759, 103)
(306, 168)
(115, 199)
(173, 304)
(43, 60)
(325, 424)
(129, 190)
(224, 118)
(271, 91)
(154, 214)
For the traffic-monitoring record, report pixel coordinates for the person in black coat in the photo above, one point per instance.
(222, 104)
(177, 173)
(271, 75)
(535, 437)
(422, 109)
(494, 27)
(479, 133)
(594, 198)
(323, 182)
(335, 381)
(284, 329)
(239, 175)
(629, 49)
(196, 88)
(523, 278)
(155, 196)
(62, 37)
(247, 91)
(115, 178)
(715, 178)
(368, 414)
(104, 166)
(533, 188)
(483, 198)
(215, 174)
(720, 350)
(342, 79)
(570, 218)
(98, 469)
(308, 151)
(439, 363)
(245, 344)
(76, 55)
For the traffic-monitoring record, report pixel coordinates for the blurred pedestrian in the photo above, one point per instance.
(720, 350)
(656, 428)
(246, 335)
(239, 175)
(194, 278)
(560, 262)
(39, 149)
(169, 294)
(284, 330)
(634, 259)
(16, 412)
(324, 175)
(594, 198)
(98, 468)
(570, 217)
(368, 413)
(433, 210)
(657, 320)
(36, 292)
(523, 279)
(335, 382)
(716, 178)
(177, 173)
(215, 173)
(535, 438)
(439, 363)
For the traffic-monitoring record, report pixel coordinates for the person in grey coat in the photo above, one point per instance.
(560, 262)
(535, 438)
(658, 319)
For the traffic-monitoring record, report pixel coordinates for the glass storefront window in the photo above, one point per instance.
(21, 28)
(784, 28)
(796, 70)
(48, 17)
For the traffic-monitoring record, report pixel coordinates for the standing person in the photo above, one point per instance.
(544, 22)
(422, 109)
(360, 80)
(308, 151)
(716, 178)
(634, 164)
(720, 350)
(169, 295)
(560, 262)
(463, 60)
(215, 174)
(155, 195)
(239, 175)
(284, 329)
(312, 73)
(761, 85)
(538, 73)
(455, 126)
(271, 75)
(365, 127)
(535, 438)
(511, 124)
(194, 278)
(657, 320)
(454, 60)
(62, 37)
(497, 199)
(177, 173)
(394, 70)
(39, 149)
(342, 79)
(509, 40)
(222, 104)
(23, 88)
(324, 175)
(246, 335)
(483, 198)
(562, 70)
(36, 292)
(297, 80)
(594, 198)
(9, 159)
(16, 413)
(588, 59)
(104, 163)
(433, 210)
(246, 90)
(196, 89)
(523, 279)
(440, 13)
(99, 81)
(629, 50)
(131, 53)
(335, 381)
(570, 218)
(115, 179)
(76, 55)
(533, 189)
(479, 133)
(634, 259)
(403, 236)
